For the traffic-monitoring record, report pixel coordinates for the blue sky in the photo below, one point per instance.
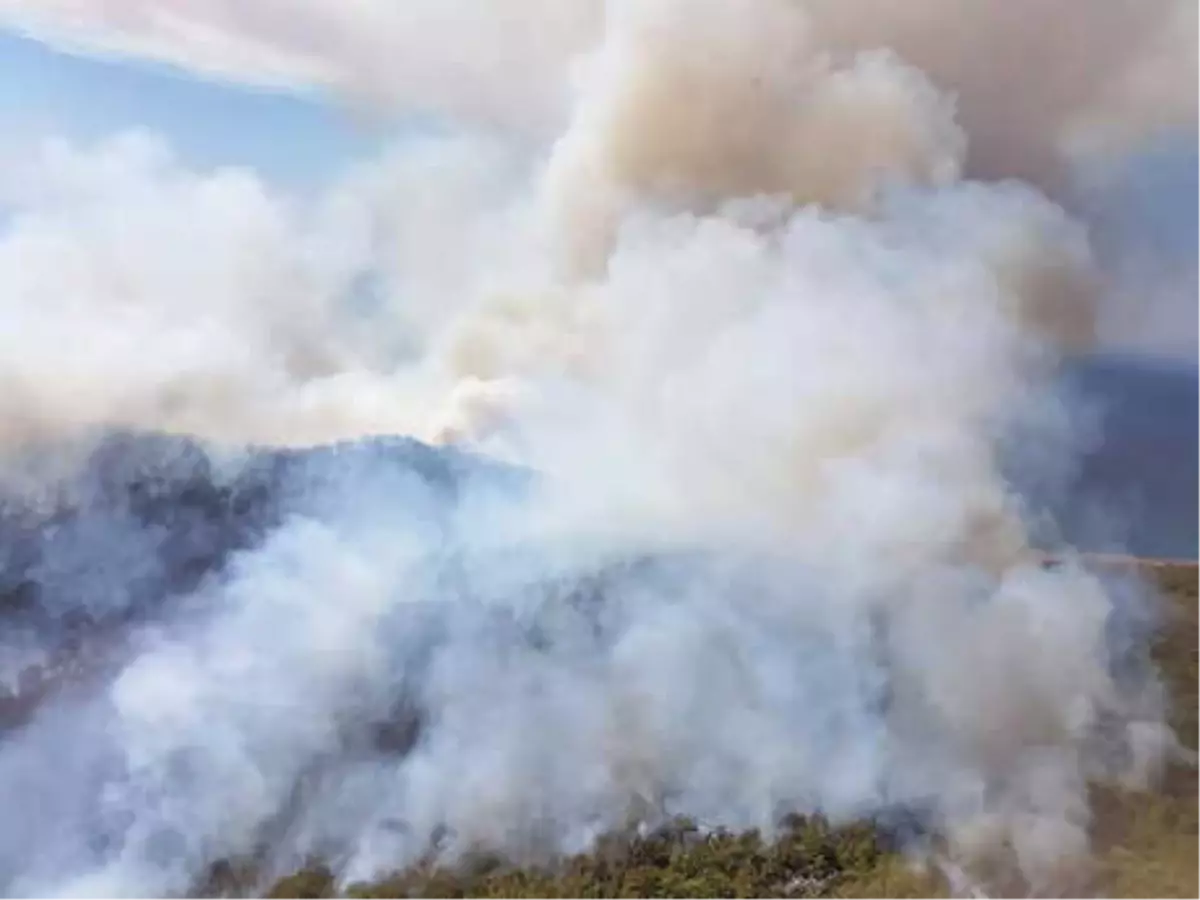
(291, 139)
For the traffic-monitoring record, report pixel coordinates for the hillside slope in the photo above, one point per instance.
(1145, 843)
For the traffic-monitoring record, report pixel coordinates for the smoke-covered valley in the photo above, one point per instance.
(677, 429)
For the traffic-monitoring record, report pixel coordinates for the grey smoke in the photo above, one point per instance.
(378, 669)
(764, 549)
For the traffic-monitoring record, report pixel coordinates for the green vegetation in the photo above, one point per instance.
(808, 859)
(1145, 843)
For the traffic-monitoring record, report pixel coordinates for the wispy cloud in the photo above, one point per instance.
(186, 38)
(509, 61)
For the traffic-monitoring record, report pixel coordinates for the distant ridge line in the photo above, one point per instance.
(1121, 559)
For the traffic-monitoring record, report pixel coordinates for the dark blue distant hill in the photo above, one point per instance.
(1136, 490)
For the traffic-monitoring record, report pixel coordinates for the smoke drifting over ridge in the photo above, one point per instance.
(742, 297)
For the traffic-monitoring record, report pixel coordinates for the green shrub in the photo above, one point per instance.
(678, 862)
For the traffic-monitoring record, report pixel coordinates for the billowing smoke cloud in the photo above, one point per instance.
(761, 336)
(1028, 77)
(139, 292)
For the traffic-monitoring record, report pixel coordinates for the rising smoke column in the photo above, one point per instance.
(745, 303)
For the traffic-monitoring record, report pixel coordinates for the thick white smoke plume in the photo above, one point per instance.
(740, 297)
